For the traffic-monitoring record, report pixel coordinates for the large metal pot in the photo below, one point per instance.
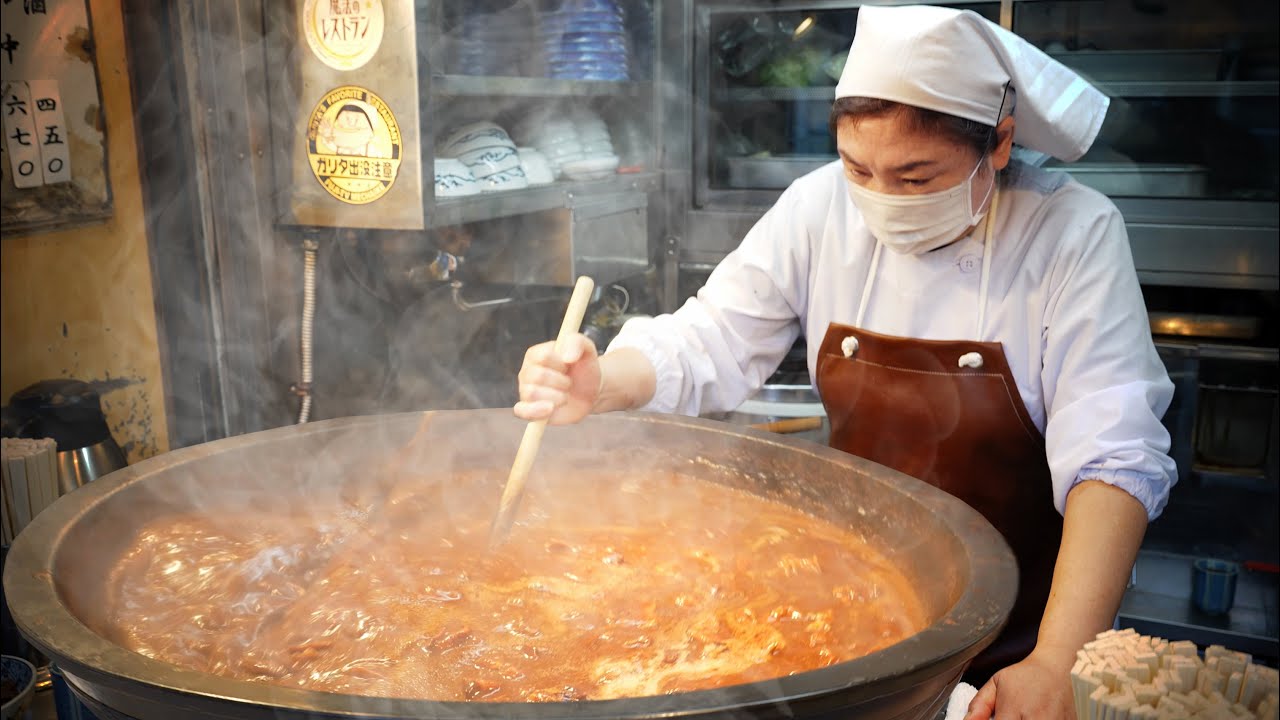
(965, 573)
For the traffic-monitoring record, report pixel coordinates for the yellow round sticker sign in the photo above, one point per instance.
(343, 34)
(354, 145)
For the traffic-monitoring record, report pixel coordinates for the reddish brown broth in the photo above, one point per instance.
(606, 588)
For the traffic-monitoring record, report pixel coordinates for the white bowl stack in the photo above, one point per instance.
(454, 178)
(554, 135)
(490, 154)
(598, 158)
(537, 168)
(629, 141)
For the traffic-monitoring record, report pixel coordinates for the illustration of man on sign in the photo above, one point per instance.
(350, 133)
(354, 145)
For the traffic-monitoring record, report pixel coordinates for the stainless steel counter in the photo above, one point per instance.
(1159, 603)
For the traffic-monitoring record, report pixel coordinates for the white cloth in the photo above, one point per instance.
(959, 63)
(1064, 302)
(958, 704)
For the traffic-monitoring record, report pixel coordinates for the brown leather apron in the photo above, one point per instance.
(908, 404)
(936, 411)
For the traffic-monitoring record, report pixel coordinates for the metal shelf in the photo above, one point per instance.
(791, 94)
(1193, 88)
(487, 86)
(1159, 603)
(1247, 480)
(566, 194)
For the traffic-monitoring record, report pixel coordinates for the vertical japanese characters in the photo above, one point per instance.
(35, 135)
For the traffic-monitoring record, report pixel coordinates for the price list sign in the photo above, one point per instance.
(34, 132)
(53, 169)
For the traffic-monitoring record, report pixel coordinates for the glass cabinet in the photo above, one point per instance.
(1193, 87)
(767, 77)
(545, 72)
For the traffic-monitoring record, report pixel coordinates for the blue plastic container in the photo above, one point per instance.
(1213, 585)
(65, 702)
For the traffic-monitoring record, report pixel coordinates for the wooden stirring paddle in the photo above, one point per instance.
(532, 439)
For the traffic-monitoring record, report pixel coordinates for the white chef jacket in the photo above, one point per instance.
(1063, 301)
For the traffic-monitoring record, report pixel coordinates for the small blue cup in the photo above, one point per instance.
(1213, 585)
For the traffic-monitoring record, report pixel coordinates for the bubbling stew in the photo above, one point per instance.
(608, 587)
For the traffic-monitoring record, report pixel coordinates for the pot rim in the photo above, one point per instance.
(41, 615)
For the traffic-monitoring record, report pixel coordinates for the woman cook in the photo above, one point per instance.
(981, 325)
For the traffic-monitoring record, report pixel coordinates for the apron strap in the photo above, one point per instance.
(866, 286)
(988, 242)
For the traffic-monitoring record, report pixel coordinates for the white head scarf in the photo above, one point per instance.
(959, 63)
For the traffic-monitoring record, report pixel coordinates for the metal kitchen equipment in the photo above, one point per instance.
(1204, 325)
(965, 573)
(787, 395)
(1199, 204)
(69, 412)
(1139, 180)
(772, 171)
(605, 237)
(1143, 65)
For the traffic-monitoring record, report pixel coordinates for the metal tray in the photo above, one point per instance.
(1139, 180)
(774, 172)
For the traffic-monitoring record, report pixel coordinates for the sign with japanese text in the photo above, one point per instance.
(354, 145)
(53, 172)
(343, 34)
(34, 134)
(20, 139)
(345, 111)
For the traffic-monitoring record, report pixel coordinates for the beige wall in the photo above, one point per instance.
(78, 303)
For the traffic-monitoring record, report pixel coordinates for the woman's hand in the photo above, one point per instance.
(1038, 688)
(561, 389)
(1101, 533)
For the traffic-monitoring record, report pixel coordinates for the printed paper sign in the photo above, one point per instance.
(51, 131)
(21, 141)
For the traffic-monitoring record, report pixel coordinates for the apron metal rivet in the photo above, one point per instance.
(849, 346)
(971, 360)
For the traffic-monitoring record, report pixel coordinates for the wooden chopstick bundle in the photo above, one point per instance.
(30, 482)
(1121, 675)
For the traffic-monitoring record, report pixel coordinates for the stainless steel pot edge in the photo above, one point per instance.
(44, 619)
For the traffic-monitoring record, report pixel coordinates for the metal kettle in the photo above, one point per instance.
(70, 412)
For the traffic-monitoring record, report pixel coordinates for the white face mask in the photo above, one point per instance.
(916, 224)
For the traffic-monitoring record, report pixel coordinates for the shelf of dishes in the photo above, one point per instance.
(563, 152)
(581, 40)
(503, 86)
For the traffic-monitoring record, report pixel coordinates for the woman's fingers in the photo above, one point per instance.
(543, 376)
(577, 346)
(539, 393)
(543, 355)
(983, 705)
(559, 387)
(533, 411)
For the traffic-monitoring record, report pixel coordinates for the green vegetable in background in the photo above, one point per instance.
(796, 67)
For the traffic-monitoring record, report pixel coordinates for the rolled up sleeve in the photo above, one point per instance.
(1105, 386)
